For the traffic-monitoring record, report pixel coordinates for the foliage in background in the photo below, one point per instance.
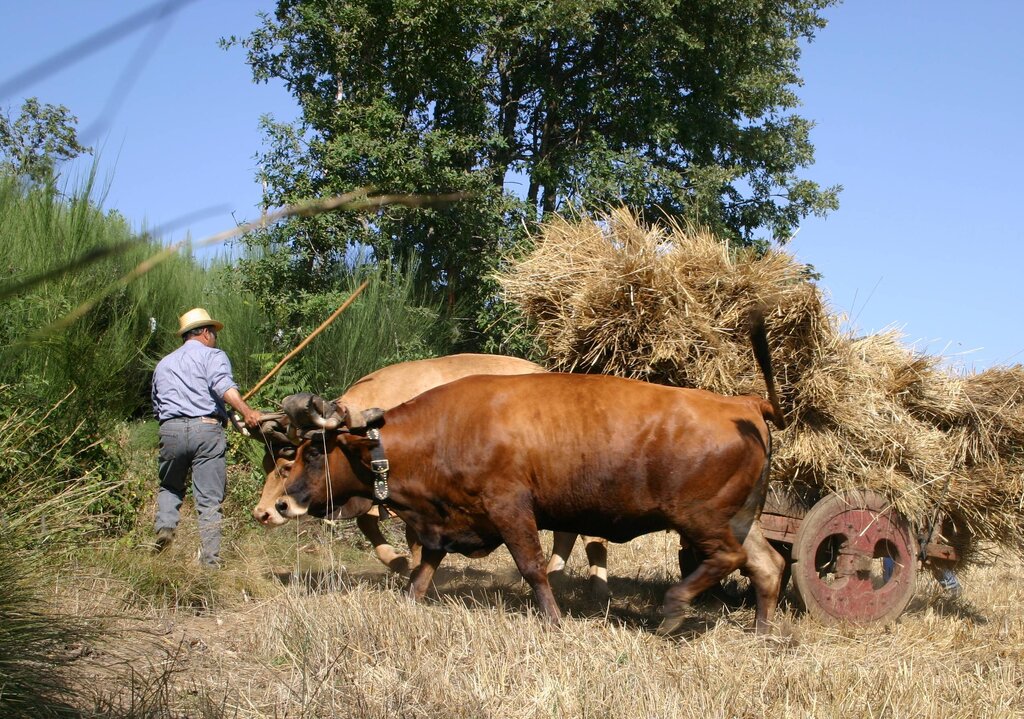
(105, 353)
(96, 373)
(678, 109)
(65, 395)
(42, 136)
(390, 321)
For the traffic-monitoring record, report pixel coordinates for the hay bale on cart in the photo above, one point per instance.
(888, 431)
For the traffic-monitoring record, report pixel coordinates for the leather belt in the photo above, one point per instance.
(206, 418)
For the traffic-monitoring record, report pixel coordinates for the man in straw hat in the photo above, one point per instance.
(190, 387)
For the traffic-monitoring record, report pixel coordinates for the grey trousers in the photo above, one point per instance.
(196, 444)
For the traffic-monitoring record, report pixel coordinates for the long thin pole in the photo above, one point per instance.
(306, 341)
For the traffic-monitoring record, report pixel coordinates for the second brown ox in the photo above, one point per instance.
(490, 460)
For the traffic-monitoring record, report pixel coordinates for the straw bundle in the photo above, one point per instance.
(669, 306)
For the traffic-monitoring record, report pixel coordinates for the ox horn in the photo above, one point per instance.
(308, 411)
(323, 413)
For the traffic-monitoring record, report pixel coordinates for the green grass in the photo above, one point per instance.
(387, 323)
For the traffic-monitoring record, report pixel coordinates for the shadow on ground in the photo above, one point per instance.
(633, 603)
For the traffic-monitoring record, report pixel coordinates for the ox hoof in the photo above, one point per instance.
(598, 590)
(400, 565)
(672, 623)
(558, 579)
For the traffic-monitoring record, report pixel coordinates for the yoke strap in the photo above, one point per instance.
(381, 468)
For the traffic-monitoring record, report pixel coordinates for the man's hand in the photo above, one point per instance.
(250, 416)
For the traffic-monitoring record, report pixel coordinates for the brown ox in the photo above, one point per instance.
(386, 388)
(489, 460)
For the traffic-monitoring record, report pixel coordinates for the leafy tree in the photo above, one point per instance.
(679, 108)
(42, 136)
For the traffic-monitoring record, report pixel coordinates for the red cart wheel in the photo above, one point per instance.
(840, 559)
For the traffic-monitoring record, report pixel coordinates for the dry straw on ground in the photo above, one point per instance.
(347, 644)
(670, 306)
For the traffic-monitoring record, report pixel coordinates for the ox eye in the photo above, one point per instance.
(313, 451)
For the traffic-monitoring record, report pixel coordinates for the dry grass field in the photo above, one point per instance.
(304, 623)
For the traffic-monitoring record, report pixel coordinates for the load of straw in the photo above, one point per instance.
(670, 306)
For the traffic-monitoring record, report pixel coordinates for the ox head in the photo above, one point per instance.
(280, 437)
(324, 477)
(278, 453)
(308, 413)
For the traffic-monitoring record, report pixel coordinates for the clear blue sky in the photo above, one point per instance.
(918, 108)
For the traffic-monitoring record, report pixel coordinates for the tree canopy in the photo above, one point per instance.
(677, 108)
(42, 136)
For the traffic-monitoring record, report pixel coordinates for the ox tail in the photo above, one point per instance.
(759, 340)
(741, 522)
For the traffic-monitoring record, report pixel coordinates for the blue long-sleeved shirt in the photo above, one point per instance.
(191, 382)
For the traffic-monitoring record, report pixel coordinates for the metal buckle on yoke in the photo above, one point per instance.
(380, 468)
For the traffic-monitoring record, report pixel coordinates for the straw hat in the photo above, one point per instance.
(197, 317)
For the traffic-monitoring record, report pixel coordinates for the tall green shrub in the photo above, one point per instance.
(92, 375)
(101, 356)
(390, 321)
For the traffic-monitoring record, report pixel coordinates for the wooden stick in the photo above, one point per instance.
(306, 341)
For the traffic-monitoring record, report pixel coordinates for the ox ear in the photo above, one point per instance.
(374, 417)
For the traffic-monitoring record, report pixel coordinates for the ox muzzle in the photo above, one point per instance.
(288, 507)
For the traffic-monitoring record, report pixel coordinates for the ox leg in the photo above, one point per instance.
(765, 567)
(529, 558)
(415, 547)
(560, 550)
(519, 531)
(423, 574)
(722, 555)
(370, 527)
(597, 557)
